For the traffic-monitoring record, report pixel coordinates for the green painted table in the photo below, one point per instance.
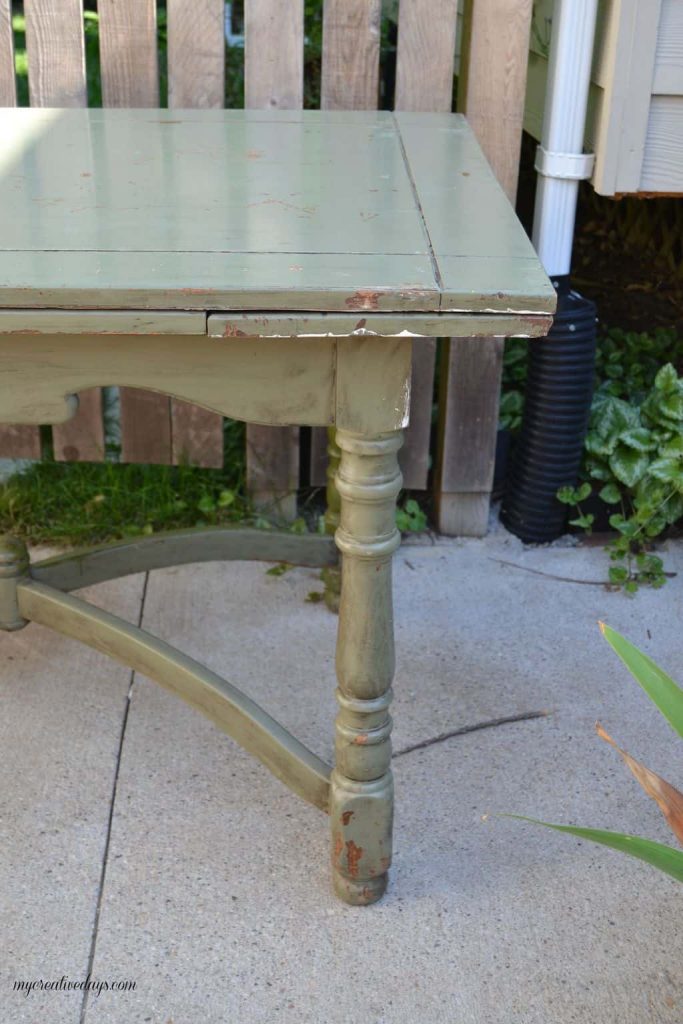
(274, 267)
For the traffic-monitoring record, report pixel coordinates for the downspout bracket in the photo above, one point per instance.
(568, 166)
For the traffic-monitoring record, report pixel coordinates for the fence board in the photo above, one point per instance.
(19, 442)
(196, 78)
(491, 93)
(8, 81)
(274, 77)
(128, 53)
(350, 81)
(274, 53)
(425, 55)
(130, 78)
(424, 81)
(56, 53)
(55, 48)
(350, 71)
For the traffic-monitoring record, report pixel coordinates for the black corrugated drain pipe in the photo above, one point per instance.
(557, 407)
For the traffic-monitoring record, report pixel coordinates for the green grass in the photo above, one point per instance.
(85, 503)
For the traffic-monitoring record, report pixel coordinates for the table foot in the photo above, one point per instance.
(361, 788)
(14, 564)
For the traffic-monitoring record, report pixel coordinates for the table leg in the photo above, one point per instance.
(361, 803)
(331, 575)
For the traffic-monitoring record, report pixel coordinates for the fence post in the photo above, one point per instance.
(491, 92)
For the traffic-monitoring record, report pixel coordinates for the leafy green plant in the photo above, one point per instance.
(634, 454)
(668, 698)
(410, 518)
(627, 362)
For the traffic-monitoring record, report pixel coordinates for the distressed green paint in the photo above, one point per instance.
(211, 210)
(261, 381)
(181, 547)
(13, 568)
(317, 244)
(382, 325)
(361, 799)
(109, 321)
(226, 706)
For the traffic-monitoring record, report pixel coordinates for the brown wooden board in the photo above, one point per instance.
(8, 82)
(350, 70)
(130, 78)
(21, 442)
(55, 48)
(273, 78)
(196, 78)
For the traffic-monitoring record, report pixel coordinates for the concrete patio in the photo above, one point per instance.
(140, 843)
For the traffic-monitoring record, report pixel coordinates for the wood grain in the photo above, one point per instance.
(56, 77)
(350, 71)
(274, 53)
(56, 53)
(468, 424)
(128, 53)
(196, 78)
(8, 82)
(273, 77)
(491, 94)
(22, 442)
(493, 81)
(196, 54)
(424, 82)
(130, 78)
(426, 53)
(350, 81)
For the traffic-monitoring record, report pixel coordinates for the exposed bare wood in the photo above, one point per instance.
(130, 78)
(491, 94)
(20, 442)
(468, 424)
(8, 82)
(350, 72)
(56, 53)
(196, 435)
(145, 427)
(426, 52)
(128, 53)
(274, 53)
(273, 77)
(493, 81)
(196, 53)
(196, 78)
(56, 77)
(82, 438)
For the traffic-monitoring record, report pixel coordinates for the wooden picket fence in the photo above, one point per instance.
(156, 429)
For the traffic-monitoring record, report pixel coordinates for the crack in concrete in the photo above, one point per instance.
(492, 723)
(105, 857)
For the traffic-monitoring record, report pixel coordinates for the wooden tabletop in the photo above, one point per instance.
(257, 210)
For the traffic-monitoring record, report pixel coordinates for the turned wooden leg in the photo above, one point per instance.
(331, 575)
(13, 567)
(361, 802)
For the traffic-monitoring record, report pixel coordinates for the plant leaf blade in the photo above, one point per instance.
(660, 687)
(664, 858)
(666, 796)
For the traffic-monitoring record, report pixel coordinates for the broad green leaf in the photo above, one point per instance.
(667, 378)
(583, 491)
(618, 574)
(660, 688)
(610, 494)
(673, 449)
(639, 438)
(665, 858)
(597, 445)
(628, 465)
(611, 416)
(672, 405)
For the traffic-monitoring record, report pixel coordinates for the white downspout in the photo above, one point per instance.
(560, 160)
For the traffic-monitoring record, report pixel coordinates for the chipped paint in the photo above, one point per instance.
(353, 856)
